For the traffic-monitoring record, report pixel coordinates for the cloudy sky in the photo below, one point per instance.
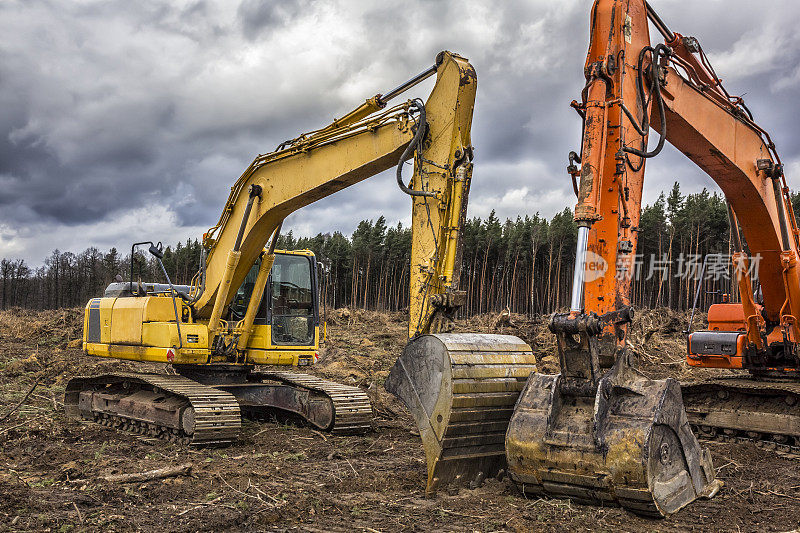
(123, 121)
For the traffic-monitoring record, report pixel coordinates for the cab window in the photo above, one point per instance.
(293, 318)
(238, 306)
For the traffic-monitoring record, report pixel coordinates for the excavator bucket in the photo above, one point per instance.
(461, 389)
(622, 440)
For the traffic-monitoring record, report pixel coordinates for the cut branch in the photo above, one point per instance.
(170, 471)
(23, 400)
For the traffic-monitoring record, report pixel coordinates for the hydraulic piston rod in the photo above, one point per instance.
(578, 277)
(419, 78)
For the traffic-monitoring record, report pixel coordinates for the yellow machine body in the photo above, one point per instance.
(143, 328)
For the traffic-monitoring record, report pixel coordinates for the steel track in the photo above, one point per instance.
(351, 406)
(178, 409)
(765, 413)
(214, 418)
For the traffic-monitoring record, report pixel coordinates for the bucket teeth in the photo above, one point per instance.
(461, 389)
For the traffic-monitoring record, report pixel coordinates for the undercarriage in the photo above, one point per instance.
(766, 412)
(205, 405)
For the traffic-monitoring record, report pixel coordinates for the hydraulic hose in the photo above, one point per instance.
(202, 281)
(416, 143)
(659, 53)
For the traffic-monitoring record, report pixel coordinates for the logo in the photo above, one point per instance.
(170, 355)
(594, 268)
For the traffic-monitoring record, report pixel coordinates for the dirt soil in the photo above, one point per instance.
(284, 477)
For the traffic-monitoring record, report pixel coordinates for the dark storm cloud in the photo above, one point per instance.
(257, 16)
(128, 119)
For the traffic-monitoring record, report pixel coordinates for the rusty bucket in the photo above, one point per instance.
(622, 439)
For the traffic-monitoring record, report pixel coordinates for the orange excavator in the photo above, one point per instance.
(600, 431)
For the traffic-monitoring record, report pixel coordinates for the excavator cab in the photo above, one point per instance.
(286, 328)
(288, 315)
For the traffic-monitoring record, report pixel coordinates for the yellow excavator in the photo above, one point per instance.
(253, 305)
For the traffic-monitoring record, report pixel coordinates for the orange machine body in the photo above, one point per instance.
(633, 87)
(726, 317)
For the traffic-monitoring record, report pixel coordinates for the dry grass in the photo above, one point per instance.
(51, 327)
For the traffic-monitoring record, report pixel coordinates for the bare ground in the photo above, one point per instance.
(284, 477)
